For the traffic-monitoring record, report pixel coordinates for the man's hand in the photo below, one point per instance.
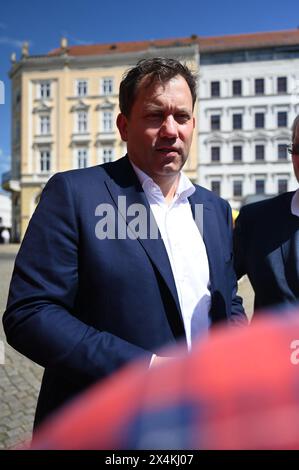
(157, 360)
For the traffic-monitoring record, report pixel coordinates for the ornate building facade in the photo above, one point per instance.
(65, 104)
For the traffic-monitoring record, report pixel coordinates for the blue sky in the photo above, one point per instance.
(92, 21)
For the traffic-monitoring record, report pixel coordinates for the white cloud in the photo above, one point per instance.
(4, 167)
(81, 42)
(2, 92)
(77, 41)
(6, 40)
(4, 159)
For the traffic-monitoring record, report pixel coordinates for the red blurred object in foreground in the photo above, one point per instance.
(239, 389)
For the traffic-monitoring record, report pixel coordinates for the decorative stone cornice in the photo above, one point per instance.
(42, 108)
(105, 105)
(80, 106)
(48, 62)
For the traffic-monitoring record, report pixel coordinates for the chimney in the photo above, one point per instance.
(25, 49)
(63, 43)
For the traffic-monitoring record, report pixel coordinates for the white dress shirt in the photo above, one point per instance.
(295, 204)
(186, 252)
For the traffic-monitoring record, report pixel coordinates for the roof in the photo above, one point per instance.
(250, 41)
(122, 47)
(206, 44)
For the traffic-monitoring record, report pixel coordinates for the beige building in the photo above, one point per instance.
(65, 104)
(64, 109)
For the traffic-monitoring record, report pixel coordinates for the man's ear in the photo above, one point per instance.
(122, 124)
(295, 159)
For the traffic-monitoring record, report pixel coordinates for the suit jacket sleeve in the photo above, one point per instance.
(40, 320)
(239, 246)
(238, 315)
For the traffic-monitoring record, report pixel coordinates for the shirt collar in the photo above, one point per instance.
(184, 190)
(295, 204)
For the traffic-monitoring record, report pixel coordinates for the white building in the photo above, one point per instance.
(248, 99)
(5, 211)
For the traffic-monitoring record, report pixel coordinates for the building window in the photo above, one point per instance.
(215, 88)
(82, 122)
(81, 87)
(107, 154)
(282, 84)
(45, 90)
(237, 121)
(215, 154)
(237, 153)
(215, 122)
(260, 186)
(216, 187)
(107, 121)
(45, 161)
(282, 152)
(282, 186)
(44, 125)
(238, 188)
(259, 120)
(282, 119)
(17, 131)
(237, 87)
(17, 99)
(260, 152)
(107, 86)
(259, 86)
(82, 158)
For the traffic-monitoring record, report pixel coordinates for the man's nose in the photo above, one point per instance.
(169, 127)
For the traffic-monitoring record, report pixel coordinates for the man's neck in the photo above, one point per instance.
(168, 183)
(168, 186)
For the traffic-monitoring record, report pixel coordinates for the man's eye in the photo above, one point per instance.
(154, 116)
(182, 117)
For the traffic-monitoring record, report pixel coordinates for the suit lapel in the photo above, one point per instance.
(209, 228)
(290, 248)
(124, 183)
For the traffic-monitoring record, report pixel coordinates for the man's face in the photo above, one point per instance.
(295, 156)
(160, 127)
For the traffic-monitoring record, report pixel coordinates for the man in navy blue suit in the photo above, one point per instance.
(266, 243)
(95, 286)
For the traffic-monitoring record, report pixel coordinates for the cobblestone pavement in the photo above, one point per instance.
(246, 292)
(20, 378)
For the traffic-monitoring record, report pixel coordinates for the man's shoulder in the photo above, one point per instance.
(266, 208)
(86, 176)
(78, 174)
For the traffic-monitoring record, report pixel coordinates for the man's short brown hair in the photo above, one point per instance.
(294, 128)
(160, 69)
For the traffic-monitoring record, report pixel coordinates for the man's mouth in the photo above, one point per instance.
(167, 150)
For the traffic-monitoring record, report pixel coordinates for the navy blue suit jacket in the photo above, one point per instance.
(83, 307)
(266, 248)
